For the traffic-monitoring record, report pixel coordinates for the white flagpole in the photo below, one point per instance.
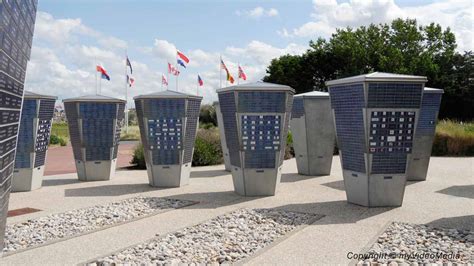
(177, 69)
(238, 73)
(100, 85)
(197, 86)
(220, 71)
(95, 61)
(126, 93)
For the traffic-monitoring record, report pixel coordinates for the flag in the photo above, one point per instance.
(200, 82)
(172, 70)
(130, 65)
(229, 76)
(130, 80)
(164, 81)
(180, 62)
(103, 72)
(183, 57)
(242, 74)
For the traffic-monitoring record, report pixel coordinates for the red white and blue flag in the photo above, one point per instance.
(103, 72)
(164, 81)
(172, 70)
(130, 80)
(200, 82)
(181, 59)
(242, 74)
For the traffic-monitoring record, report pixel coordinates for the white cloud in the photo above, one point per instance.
(164, 50)
(66, 66)
(258, 12)
(329, 14)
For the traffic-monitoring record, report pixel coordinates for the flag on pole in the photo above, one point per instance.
(200, 82)
(172, 70)
(103, 72)
(229, 76)
(180, 62)
(130, 80)
(129, 65)
(183, 57)
(164, 81)
(242, 74)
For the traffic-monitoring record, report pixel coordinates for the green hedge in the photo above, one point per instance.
(207, 148)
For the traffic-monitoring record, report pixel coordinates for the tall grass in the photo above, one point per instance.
(61, 131)
(454, 139)
(133, 133)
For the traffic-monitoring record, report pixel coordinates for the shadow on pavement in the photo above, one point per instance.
(208, 173)
(464, 222)
(212, 200)
(58, 182)
(459, 191)
(339, 185)
(336, 212)
(109, 190)
(295, 177)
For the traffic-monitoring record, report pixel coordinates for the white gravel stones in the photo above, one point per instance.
(54, 227)
(412, 243)
(225, 239)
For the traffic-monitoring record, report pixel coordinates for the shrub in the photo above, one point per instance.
(289, 150)
(207, 148)
(139, 157)
(207, 114)
(55, 140)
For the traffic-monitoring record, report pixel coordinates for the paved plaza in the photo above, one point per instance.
(444, 200)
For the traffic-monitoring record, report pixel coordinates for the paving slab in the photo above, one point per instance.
(445, 199)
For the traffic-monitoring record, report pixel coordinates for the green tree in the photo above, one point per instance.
(402, 47)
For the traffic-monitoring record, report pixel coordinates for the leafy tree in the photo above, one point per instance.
(401, 47)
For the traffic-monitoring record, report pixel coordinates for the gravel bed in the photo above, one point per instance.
(413, 243)
(225, 239)
(38, 231)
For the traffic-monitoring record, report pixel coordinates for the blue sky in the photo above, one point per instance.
(72, 36)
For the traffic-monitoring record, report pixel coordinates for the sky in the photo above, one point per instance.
(72, 36)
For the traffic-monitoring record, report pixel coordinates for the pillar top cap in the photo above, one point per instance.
(94, 98)
(432, 90)
(32, 95)
(313, 94)
(257, 86)
(377, 77)
(167, 94)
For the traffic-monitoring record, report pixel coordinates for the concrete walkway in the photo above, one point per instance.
(445, 199)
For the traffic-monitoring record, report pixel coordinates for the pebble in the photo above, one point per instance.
(72, 223)
(404, 238)
(211, 242)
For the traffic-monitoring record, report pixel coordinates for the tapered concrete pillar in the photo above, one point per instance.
(168, 123)
(95, 123)
(425, 133)
(17, 24)
(225, 149)
(255, 118)
(312, 128)
(33, 139)
(376, 117)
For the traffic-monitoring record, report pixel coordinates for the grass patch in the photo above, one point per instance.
(454, 139)
(133, 133)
